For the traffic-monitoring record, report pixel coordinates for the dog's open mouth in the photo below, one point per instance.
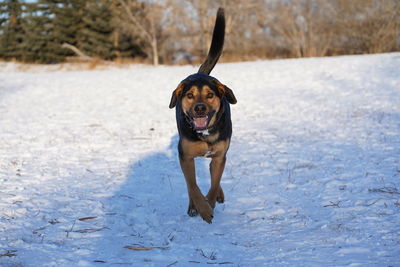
(200, 123)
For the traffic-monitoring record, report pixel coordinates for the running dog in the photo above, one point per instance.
(204, 124)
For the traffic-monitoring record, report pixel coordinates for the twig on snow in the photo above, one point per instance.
(386, 190)
(212, 256)
(370, 204)
(87, 218)
(9, 253)
(175, 262)
(332, 204)
(137, 248)
(89, 230)
(70, 230)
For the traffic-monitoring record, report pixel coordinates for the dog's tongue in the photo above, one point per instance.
(200, 123)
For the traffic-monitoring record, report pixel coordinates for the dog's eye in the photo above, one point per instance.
(210, 95)
(189, 95)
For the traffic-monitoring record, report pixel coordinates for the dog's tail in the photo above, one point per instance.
(217, 43)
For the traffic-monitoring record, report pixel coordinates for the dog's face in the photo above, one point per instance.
(200, 100)
(200, 104)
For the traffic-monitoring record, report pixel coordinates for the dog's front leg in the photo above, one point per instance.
(215, 193)
(197, 202)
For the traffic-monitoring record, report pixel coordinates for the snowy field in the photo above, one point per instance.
(89, 174)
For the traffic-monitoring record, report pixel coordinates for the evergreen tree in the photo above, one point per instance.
(49, 24)
(67, 23)
(35, 31)
(39, 44)
(11, 30)
(126, 46)
(95, 35)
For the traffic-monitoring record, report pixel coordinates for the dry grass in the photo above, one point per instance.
(70, 65)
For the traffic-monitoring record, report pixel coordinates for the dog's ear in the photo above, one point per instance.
(175, 94)
(226, 91)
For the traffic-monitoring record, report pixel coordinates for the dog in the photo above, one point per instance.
(203, 118)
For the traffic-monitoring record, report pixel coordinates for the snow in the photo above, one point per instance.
(89, 174)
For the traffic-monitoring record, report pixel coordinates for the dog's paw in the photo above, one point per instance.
(207, 217)
(198, 205)
(220, 196)
(206, 212)
(211, 202)
(192, 212)
(217, 197)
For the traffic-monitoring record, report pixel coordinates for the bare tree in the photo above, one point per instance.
(193, 20)
(245, 38)
(260, 28)
(369, 26)
(144, 23)
(304, 26)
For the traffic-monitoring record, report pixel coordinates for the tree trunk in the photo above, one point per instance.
(149, 35)
(154, 51)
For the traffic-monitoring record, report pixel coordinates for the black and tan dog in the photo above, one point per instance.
(204, 125)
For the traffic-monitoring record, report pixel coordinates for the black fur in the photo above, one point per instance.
(217, 43)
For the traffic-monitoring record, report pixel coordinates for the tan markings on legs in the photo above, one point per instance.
(220, 195)
(216, 169)
(217, 166)
(196, 198)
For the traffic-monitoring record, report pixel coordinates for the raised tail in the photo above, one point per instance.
(217, 43)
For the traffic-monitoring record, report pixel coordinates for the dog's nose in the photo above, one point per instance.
(200, 108)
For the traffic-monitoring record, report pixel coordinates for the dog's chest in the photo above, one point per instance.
(208, 146)
(208, 141)
(205, 150)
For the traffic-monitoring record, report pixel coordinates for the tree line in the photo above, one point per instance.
(179, 31)
(39, 31)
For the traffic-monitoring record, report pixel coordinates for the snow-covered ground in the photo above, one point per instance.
(89, 174)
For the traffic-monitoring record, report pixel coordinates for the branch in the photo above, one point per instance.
(76, 51)
(135, 22)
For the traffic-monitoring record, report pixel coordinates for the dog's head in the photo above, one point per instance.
(200, 97)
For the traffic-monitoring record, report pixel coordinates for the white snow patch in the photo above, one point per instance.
(88, 166)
